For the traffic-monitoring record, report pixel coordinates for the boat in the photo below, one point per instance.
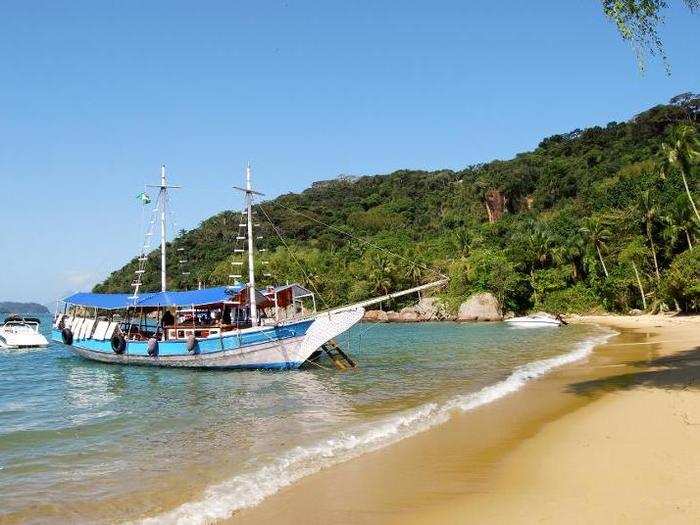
(535, 321)
(229, 326)
(21, 332)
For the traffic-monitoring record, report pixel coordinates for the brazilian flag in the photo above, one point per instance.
(144, 198)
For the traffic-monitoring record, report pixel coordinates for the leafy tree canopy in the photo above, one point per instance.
(597, 217)
(638, 22)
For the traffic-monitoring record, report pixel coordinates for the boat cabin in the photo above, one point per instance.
(19, 324)
(169, 316)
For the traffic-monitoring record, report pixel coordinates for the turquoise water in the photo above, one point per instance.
(90, 442)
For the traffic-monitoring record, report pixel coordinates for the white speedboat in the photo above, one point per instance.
(535, 321)
(21, 332)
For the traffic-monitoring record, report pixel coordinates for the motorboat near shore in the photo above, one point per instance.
(21, 332)
(535, 321)
(234, 326)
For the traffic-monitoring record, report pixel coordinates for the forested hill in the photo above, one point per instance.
(14, 307)
(592, 219)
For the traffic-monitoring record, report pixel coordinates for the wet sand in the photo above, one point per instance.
(611, 438)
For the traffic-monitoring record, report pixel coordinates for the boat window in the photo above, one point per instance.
(86, 329)
(110, 330)
(100, 330)
(76, 325)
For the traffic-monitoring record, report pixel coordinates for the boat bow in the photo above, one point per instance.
(329, 325)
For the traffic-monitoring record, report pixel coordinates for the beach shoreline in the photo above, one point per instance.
(503, 462)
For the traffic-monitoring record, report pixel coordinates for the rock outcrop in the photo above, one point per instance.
(427, 309)
(392, 317)
(409, 316)
(430, 309)
(480, 307)
(376, 316)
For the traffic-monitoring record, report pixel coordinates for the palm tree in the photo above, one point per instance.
(415, 270)
(540, 245)
(633, 254)
(677, 220)
(596, 232)
(682, 151)
(381, 273)
(649, 213)
(569, 251)
(461, 240)
(669, 233)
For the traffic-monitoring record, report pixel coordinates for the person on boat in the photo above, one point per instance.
(168, 319)
(203, 318)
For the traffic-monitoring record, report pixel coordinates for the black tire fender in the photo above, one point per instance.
(67, 336)
(118, 344)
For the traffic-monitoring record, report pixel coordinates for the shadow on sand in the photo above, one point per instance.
(680, 371)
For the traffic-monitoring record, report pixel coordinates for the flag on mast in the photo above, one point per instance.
(144, 198)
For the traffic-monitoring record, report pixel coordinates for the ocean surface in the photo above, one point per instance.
(97, 443)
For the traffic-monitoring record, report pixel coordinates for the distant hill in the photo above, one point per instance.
(14, 307)
(587, 220)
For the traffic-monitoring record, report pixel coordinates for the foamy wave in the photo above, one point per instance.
(250, 488)
(522, 375)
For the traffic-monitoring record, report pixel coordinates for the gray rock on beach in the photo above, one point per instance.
(376, 316)
(393, 317)
(480, 307)
(427, 309)
(408, 315)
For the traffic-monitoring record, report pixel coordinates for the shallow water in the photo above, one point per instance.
(94, 442)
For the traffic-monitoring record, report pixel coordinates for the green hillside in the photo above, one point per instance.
(20, 308)
(586, 221)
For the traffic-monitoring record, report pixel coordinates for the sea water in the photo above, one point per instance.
(89, 442)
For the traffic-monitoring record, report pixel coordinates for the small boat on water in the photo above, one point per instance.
(232, 326)
(21, 332)
(535, 321)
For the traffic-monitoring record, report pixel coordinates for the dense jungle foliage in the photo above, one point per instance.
(594, 219)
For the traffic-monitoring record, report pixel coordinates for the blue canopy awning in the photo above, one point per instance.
(189, 298)
(107, 301)
(119, 301)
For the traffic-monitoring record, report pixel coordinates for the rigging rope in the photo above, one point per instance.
(145, 247)
(183, 262)
(291, 253)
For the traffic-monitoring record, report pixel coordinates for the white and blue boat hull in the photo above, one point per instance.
(284, 346)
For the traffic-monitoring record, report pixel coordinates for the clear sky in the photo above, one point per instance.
(95, 95)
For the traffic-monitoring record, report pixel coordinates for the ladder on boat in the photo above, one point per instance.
(340, 359)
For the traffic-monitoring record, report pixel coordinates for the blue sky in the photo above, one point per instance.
(94, 96)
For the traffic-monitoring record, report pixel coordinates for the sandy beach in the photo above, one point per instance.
(608, 439)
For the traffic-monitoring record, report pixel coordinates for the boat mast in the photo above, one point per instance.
(163, 189)
(162, 203)
(251, 247)
(249, 192)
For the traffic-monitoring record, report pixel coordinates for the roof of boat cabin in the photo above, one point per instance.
(120, 301)
(297, 289)
(205, 296)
